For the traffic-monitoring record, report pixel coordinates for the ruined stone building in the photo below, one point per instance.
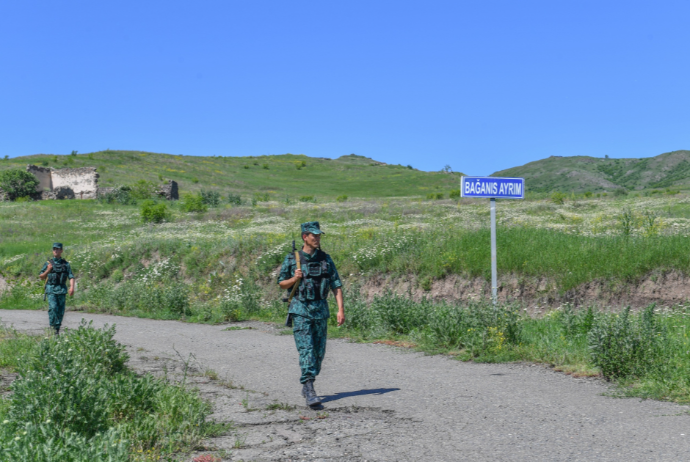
(65, 183)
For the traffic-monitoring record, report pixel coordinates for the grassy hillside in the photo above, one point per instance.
(279, 175)
(583, 173)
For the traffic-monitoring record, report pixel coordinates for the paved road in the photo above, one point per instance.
(447, 410)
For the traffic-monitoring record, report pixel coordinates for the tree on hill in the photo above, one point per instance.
(18, 183)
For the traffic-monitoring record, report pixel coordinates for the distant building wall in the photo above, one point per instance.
(83, 181)
(44, 176)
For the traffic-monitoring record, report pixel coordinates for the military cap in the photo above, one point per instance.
(57, 245)
(311, 227)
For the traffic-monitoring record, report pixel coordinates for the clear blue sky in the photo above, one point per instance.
(481, 85)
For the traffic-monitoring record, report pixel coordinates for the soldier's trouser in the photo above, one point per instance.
(56, 309)
(310, 338)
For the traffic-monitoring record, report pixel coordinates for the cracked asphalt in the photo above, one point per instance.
(387, 404)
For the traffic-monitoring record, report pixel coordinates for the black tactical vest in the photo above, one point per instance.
(58, 277)
(316, 279)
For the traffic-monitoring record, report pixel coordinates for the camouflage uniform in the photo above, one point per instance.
(309, 307)
(56, 288)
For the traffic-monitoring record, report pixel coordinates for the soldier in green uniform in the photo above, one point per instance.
(57, 271)
(308, 310)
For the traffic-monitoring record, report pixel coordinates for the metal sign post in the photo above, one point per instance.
(493, 188)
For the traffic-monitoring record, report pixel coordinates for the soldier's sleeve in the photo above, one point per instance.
(70, 275)
(335, 279)
(286, 269)
(45, 267)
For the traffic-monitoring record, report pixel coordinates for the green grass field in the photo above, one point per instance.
(278, 176)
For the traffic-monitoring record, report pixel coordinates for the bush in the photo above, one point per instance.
(265, 166)
(210, 198)
(143, 189)
(152, 212)
(454, 194)
(75, 400)
(195, 180)
(558, 197)
(18, 183)
(342, 198)
(193, 203)
(622, 346)
(306, 198)
(120, 195)
(234, 199)
(588, 194)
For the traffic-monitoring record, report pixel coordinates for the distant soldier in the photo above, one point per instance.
(57, 271)
(308, 310)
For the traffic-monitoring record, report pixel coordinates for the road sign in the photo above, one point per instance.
(493, 188)
(486, 186)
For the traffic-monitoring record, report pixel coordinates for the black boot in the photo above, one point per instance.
(310, 395)
(57, 331)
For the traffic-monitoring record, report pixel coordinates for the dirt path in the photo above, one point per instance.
(387, 404)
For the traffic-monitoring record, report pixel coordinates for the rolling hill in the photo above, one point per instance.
(583, 173)
(278, 175)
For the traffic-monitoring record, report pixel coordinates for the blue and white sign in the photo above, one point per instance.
(490, 187)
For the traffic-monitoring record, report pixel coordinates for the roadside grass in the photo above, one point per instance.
(75, 400)
(647, 353)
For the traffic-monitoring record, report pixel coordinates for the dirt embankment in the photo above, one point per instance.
(667, 289)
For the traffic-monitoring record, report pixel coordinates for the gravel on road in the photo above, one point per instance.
(384, 403)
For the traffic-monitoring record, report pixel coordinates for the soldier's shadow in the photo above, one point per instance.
(348, 394)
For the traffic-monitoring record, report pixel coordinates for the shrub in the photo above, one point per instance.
(558, 197)
(454, 194)
(193, 203)
(210, 198)
(438, 196)
(622, 346)
(620, 192)
(246, 167)
(18, 183)
(234, 199)
(342, 198)
(75, 401)
(195, 180)
(265, 166)
(627, 221)
(152, 212)
(143, 189)
(120, 194)
(588, 194)
(306, 198)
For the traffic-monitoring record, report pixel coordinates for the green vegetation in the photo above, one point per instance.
(152, 212)
(17, 183)
(288, 174)
(581, 173)
(75, 400)
(215, 260)
(646, 353)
